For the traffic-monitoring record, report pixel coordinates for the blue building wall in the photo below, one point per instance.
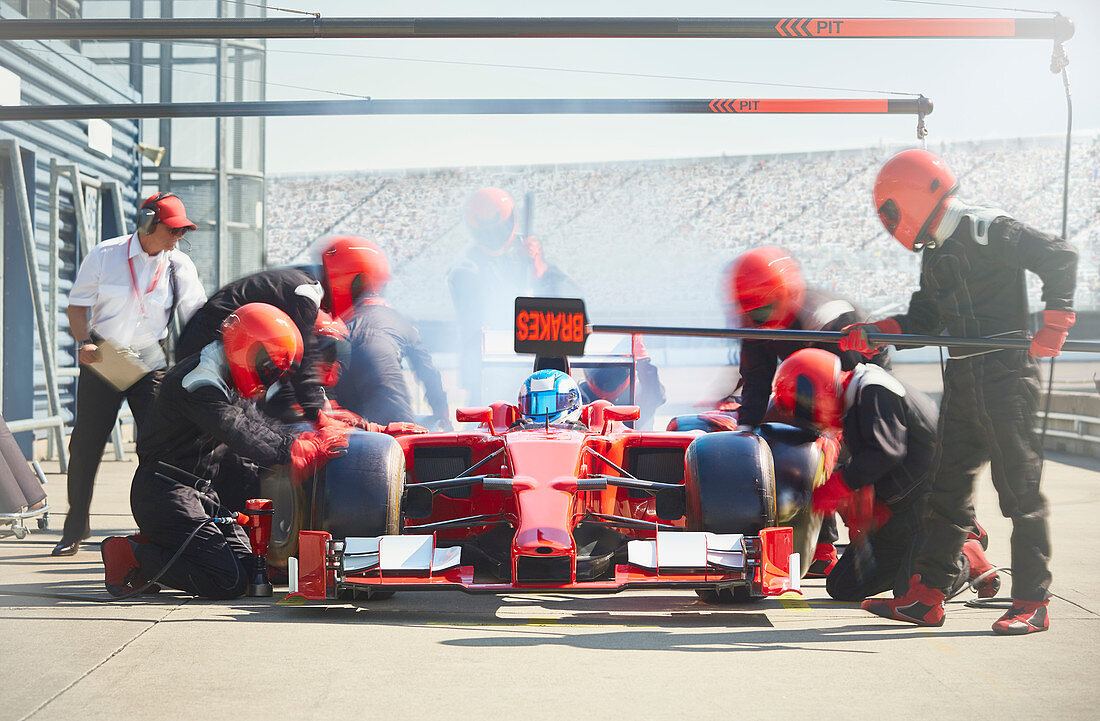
(54, 72)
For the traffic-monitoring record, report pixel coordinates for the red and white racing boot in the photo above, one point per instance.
(920, 605)
(1023, 617)
(824, 560)
(980, 566)
(121, 570)
(978, 534)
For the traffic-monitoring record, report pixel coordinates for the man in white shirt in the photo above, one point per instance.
(125, 293)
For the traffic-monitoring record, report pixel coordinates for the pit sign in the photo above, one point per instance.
(550, 326)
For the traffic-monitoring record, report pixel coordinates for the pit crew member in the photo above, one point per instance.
(888, 432)
(973, 284)
(373, 385)
(612, 383)
(764, 288)
(299, 292)
(206, 401)
(124, 293)
(490, 274)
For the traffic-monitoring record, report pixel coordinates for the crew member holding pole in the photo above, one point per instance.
(973, 284)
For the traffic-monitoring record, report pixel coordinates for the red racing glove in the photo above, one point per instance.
(857, 336)
(1047, 343)
(534, 252)
(344, 416)
(830, 451)
(311, 449)
(637, 347)
(402, 427)
(862, 512)
(831, 494)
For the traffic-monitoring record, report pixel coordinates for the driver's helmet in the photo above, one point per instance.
(550, 396)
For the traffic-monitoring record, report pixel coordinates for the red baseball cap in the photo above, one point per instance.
(171, 212)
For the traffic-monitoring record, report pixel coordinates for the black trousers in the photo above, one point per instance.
(217, 563)
(988, 415)
(883, 559)
(97, 404)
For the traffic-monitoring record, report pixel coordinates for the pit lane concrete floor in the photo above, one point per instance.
(636, 655)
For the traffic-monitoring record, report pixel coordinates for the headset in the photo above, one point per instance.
(149, 214)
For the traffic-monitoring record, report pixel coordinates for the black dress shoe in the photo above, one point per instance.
(65, 548)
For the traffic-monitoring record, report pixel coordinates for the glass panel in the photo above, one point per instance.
(194, 81)
(195, 8)
(245, 253)
(193, 142)
(245, 194)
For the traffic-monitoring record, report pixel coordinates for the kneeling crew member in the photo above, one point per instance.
(889, 438)
(204, 401)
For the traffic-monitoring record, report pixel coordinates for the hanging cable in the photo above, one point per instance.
(1059, 63)
(978, 7)
(272, 7)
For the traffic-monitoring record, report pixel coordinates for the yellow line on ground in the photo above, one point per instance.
(290, 601)
(794, 602)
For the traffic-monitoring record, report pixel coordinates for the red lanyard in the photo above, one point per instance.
(152, 286)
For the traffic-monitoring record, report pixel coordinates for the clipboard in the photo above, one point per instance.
(119, 366)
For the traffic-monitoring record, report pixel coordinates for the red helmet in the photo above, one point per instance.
(352, 268)
(910, 193)
(262, 345)
(332, 347)
(766, 285)
(808, 386)
(491, 218)
(608, 382)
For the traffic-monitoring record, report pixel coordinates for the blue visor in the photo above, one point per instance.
(541, 403)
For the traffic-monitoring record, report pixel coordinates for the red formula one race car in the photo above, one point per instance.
(581, 507)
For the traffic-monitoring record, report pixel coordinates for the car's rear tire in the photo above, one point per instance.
(799, 468)
(356, 494)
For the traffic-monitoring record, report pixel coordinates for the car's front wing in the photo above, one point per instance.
(327, 568)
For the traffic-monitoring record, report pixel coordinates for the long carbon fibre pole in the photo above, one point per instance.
(532, 106)
(834, 336)
(1055, 28)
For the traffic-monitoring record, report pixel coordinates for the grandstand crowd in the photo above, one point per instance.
(650, 239)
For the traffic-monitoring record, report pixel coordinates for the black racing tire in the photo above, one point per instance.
(727, 596)
(356, 494)
(291, 514)
(359, 493)
(729, 484)
(799, 468)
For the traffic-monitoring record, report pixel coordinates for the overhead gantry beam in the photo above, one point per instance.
(1057, 28)
(534, 106)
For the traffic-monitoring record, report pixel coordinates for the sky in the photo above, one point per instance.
(981, 88)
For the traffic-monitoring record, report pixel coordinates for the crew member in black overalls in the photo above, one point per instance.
(372, 385)
(973, 284)
(888, 434)
(299, 292)
(206, 402)
(764, 289)
(498, 267)
(612, 383)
